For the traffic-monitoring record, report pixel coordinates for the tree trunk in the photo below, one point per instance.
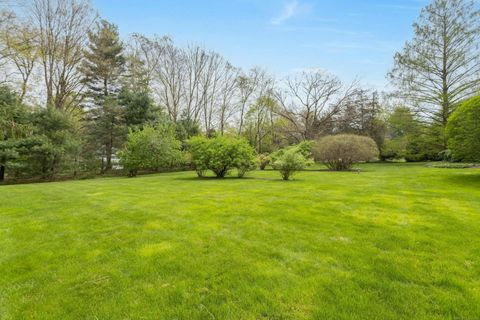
(108, 165)
(2, 173)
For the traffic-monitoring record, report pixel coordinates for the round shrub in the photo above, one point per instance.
(463, 131)
(289, 162)
(221, 155)
(340, 152)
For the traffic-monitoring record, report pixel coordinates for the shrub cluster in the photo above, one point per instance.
(340, 152)
(150, 148)
(221, 155)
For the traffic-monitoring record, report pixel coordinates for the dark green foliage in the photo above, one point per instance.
(289, 162)
(53, 143)
(107, 130)
(221, 155)
(14, 126)
(151, 148)
(426, 144)
(463, 131)
(185, 129)
(340, 152)
(139, 108)
(410, 139)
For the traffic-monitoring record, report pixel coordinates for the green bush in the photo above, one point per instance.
(340, 152)
(221, 155)
(463, 131)
(289, 162)
(151, 149)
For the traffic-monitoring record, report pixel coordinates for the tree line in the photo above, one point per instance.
(74, 92)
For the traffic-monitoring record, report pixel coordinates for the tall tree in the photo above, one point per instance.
(62, 27)
(310, 102)
(440, 66)
(103, 67)
(104, 61)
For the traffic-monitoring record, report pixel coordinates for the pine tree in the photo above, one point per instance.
(103, 68)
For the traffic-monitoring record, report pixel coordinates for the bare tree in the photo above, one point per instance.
(7, 21)
(210, 84)
(196, 60)
(62, 27)
(440, 67)
(310, 101)
(169, 74)
(247, 84)
(144, 56)
(228, 93)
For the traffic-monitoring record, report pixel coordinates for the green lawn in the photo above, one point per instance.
(397, 241)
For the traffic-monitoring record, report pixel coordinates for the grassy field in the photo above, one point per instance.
(397, 241)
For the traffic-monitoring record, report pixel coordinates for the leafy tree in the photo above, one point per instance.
(463, 130)
(402, 126)
(221, 155)
(151, 148)
(439, 68)
(289, 162)
(340, 152)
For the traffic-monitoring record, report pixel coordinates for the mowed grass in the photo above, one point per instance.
(397, 241)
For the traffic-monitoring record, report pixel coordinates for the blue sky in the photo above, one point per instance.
(350, 38)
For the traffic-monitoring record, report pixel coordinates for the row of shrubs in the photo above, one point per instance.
(156, 148)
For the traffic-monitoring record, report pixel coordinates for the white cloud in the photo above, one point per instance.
(290, 10)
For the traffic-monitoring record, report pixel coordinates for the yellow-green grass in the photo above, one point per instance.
(396, 241)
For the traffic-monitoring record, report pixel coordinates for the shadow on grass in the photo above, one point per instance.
(468, 180)
(203, 179)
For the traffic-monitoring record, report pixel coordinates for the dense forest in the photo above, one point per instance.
(74, 94)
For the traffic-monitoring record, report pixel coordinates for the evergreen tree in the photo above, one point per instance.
(103, 67)
(14, 126)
